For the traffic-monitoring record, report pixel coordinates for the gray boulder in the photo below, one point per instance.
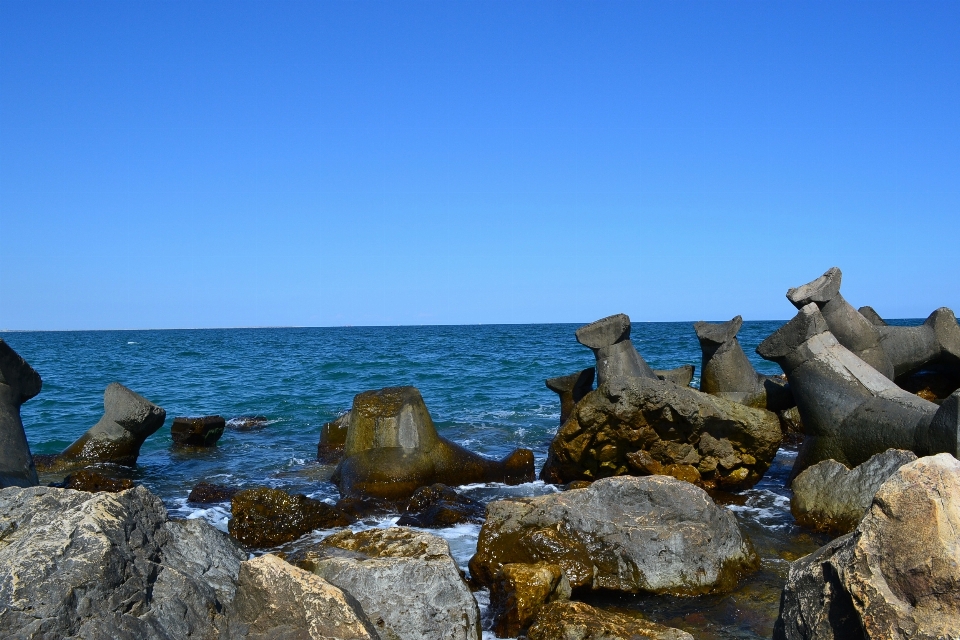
(109, 565)
(18, 383)
(638, 535)
(849, 411)
(571, 389)
(609, 339)
(378, 566)
(896, 576)
(830, 497)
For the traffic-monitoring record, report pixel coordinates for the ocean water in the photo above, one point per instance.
(483, 384)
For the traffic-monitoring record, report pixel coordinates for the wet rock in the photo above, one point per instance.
(639, 535)
(571, 389)
(393, 448)
(128, 420)
(247, 423)
(197, 432)
(830, 497)
(518, 592)
(89, 480)
(897, 575)
(363, 507)
(682, 375)
(934, 383)
(378, 567)
(609, 339)
(264, 517)
(729, 444)
(277, 601)
(579, 621)
(851, 412)
(440, 506)
(18, 383)
(109, 565)
(207, 493)
(333, 437)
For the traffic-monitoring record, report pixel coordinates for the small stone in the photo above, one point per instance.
(197, 432)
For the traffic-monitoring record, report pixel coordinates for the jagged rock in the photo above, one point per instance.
(896, 576)
(609, 339)
(682, 375)
(128, 419)
(264, 517)
(109, 565)
(88, 480)
(333, 437)
(278, 601)
(579, 621)
(440, 506)
(851, 412)
(830, 497)
(726, 372)
(197, 432)
(728, 444)
(571, 389)
(519, 590)
(393, 448)
(207, 493)
(18, 383)
(406, 582)
(639, 535)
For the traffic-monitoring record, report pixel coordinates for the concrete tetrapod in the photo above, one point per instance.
(911, 348)
(18, 383)
(726, 372)
(609, 339)
(849, 410)
(392, 449)
(571, 389)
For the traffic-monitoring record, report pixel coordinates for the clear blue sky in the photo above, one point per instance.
(211, 164)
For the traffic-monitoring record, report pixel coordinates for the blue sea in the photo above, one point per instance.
(484, 386)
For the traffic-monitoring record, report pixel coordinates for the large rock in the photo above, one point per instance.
(105, 565)
(579, 621)
(18, 383)
(644, 425)
(609, 339)
(264, 517)
(518, 592)
(571, 389)
(849, 410)
(830, 497)
(639, 535)
(406, 582)
(440, 506)
(203, 431)
(392, 449)
(277, 601)
(896, 576)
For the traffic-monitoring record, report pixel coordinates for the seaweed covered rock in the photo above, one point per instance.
(440, 506)
(94, 482)
(615, 429)
(264, 517)
(638, 535)
(392, 449)
(579, 621)
(333, 437)
(207, 493)
(897, 575)
(18, 383)
(203, 431)
(519, 590)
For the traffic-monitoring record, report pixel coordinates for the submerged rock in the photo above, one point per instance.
(247, 423)
(197, 432)
(616, 429)
(207, 493)
(18, 383)
(897, 575)
(440, 506)
(392, 449)
(571, 389)
(609, 339)
(264, 517)
(519, 590)
(830, 497)
(579, 621)
(639, 535)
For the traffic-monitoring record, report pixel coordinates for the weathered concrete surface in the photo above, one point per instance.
(682, 375)
(406, 582)
(18, 383)
(609, 339)
(519, 590)
(571, 389)
(830, 497)
(203, 431)
(638, 535)
(910, 349)
(870, 314)
(579, 621)
(264, 517)
(896, 576)
(392, 449)
(628, 424)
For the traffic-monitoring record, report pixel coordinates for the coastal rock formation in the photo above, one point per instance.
(206, 493)
(682, 375)
(197, 432)
(88, 480)
(18, 383)
(333, 437)
(518, 592)
(128, 419)
(406, 582)
(579, 621)
(392, 449)
(440, 506)
(638, 535)
(609, 339)
(644, 425)
(571, 389)
(872, 316)
(109, 565)
(264, 517)
(851, 412)
(726, 372)
(276, 601)
(830, 497)
(896, 576)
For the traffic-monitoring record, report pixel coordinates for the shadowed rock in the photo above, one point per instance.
(682, 375)
(571, 389)
(18, 383)
(207, 493)
(726, 372)
(849, 410)
(609, 339)
(392, 449)
(197, 432)
(333, 437)
(440, 506)
(870, 314)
